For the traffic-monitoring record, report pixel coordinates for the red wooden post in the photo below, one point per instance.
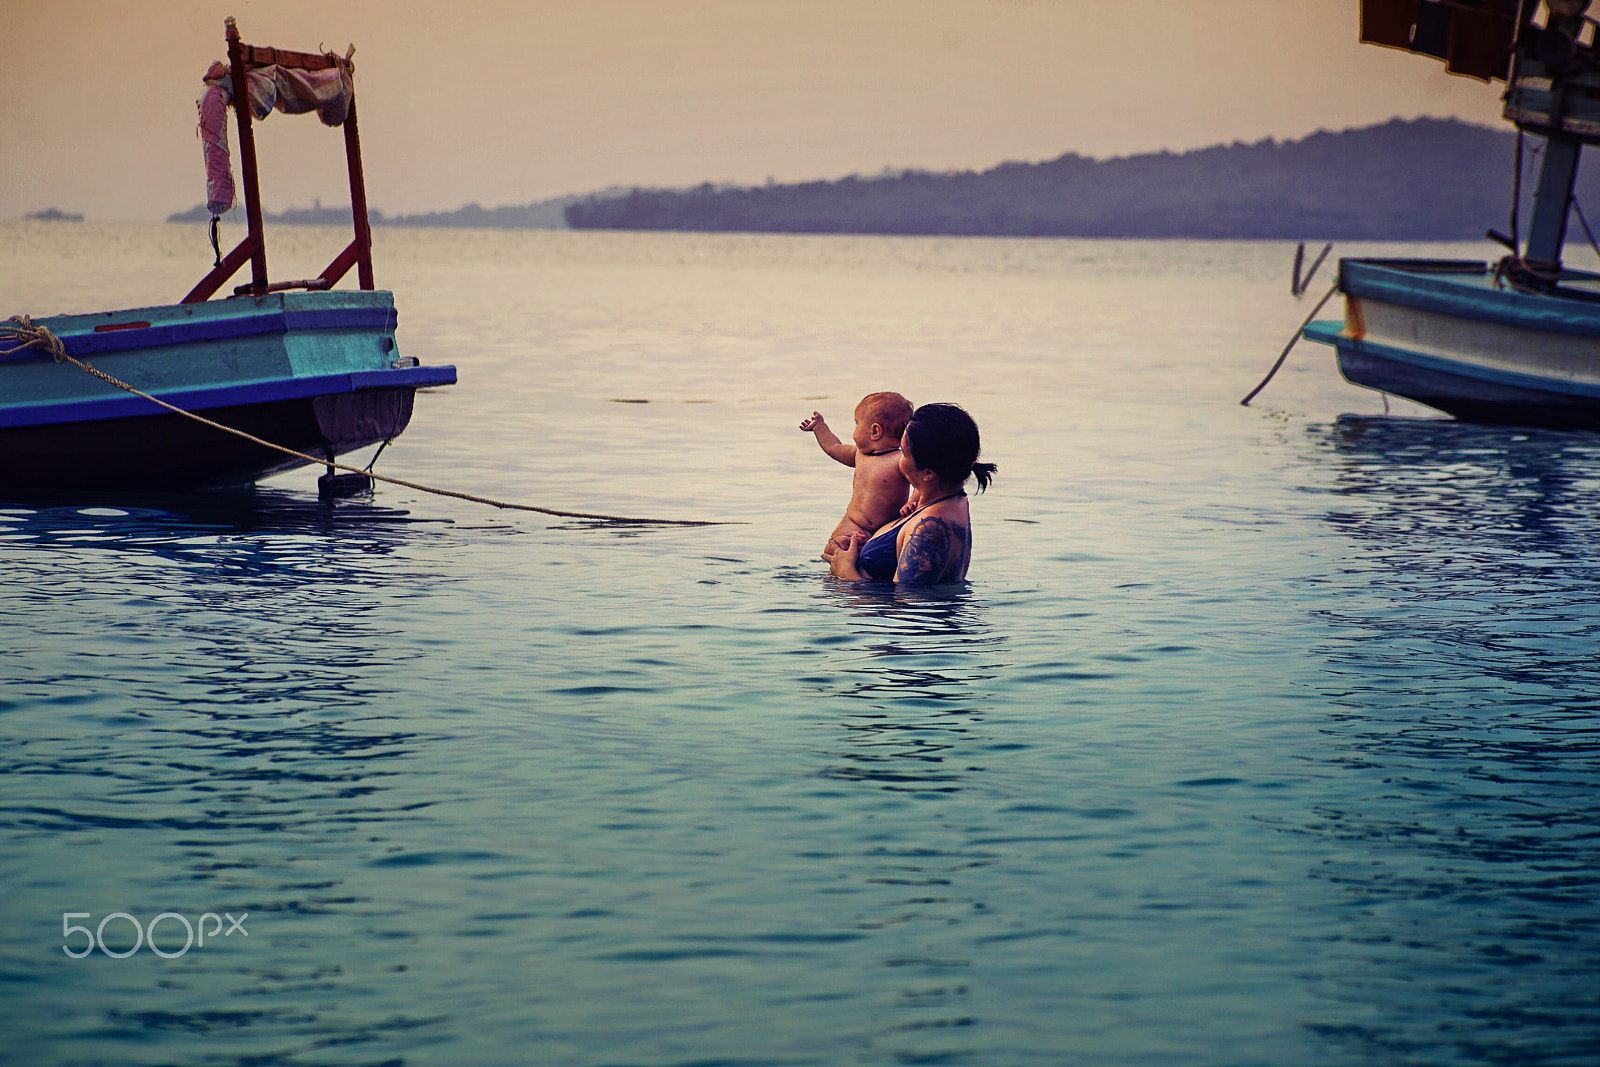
(358, 198)
(247, 158)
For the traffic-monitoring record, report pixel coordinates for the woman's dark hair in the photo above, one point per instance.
(944, 439)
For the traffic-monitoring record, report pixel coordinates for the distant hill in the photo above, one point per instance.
(1419, 180)
(543, 215)
(1426, 179)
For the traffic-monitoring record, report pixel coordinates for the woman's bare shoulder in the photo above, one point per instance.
(934, 547)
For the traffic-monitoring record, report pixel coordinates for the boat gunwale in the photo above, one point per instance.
(177, 324)
(1382, 280)
(232, 395)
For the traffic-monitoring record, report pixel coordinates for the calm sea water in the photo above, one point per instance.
(1259, 736)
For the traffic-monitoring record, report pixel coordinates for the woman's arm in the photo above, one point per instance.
(842, 561)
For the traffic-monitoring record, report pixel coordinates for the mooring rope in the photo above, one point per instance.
(22, 333)
(1292, 341)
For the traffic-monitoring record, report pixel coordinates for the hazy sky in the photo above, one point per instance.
(505, 102)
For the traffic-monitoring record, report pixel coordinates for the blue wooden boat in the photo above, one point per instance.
(295, 363)
(1514, 342)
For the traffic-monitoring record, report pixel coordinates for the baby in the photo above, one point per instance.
(879, 490)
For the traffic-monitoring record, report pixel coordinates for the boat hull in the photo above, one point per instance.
(313, 372)
(171, 453)
(1465, 390)
(1440, 334)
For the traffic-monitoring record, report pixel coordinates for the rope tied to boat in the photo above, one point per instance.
(21, 330)
(1526, 274)
(23, 334)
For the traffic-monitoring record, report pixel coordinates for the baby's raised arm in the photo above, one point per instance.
(828, 440)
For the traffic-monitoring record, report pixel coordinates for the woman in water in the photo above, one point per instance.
(933, 544)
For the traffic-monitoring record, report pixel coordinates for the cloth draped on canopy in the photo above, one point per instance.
(292, 91)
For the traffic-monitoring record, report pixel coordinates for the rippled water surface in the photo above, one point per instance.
(1260, 736)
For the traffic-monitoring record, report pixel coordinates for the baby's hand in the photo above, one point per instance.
(911, 505)
(814, 421)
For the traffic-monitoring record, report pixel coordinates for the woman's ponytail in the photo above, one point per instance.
(984, 472)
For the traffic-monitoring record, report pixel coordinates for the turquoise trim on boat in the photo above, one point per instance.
(1323, 331)
(133, 328)
(1467, 295)
(124, 405)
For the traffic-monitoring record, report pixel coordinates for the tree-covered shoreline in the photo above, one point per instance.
(1424, 179)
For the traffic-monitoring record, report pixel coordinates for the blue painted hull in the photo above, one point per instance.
(316, 372)
(1441, 334)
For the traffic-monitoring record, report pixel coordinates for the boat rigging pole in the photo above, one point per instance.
(1554, 85)
(247, 159)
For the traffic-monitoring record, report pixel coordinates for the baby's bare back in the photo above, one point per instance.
(876, 497)
(878, 492)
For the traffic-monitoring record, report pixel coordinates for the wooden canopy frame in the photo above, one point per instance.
(243, 58)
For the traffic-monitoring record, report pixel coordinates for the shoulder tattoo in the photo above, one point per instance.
(933, 552)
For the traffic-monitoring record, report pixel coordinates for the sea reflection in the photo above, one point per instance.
(1441, 476)
(217, 628)
(914, 695)
(1463, 749)
(201, 715)
(1479, 557)
(907, 719)
(115, 519)
(1460, 851)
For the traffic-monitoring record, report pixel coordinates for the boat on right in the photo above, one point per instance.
(1517, 341)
